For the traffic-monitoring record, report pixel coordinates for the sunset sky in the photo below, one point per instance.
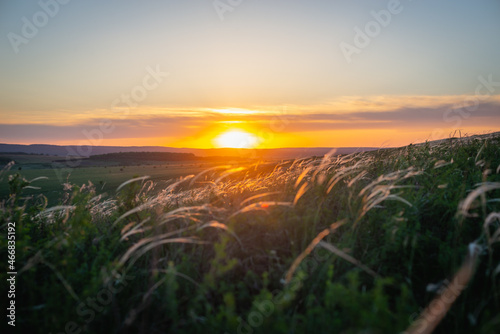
(249, 73)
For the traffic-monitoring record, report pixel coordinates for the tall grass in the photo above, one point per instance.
(384, 241)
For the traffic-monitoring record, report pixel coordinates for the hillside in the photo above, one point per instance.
(130, 158)
(396, 240)
(278, 153)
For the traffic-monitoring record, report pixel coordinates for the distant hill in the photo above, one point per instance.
(144, 156)
(86, 151)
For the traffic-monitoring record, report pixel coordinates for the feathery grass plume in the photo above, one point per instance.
(303, 189)
(229, 172)
(206, 171)
(377, 192)
(134, 253)
(8, 167)
(260, 206)
(343, 173)
(216, 224)
(301, 176)
(94, 200)
(147, 187)
(189, 212)
(103, 209)
(32, 187)
(142, 178)
(139, 208)
(32, 262)
(323, 164)
(347, 257)
(442, 163)
(54, 211)
(391, 177)
(186, 217)
(297, 163)
(150, 240)
(357, 178)
(128, 231)
(380, 194)
(437, 309)
(483, 188)
(479, 152)
(249, 199)
(310, 247)
(38, 178)
(489, 221)
(171, 187)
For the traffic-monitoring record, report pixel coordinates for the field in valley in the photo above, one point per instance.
(105, 179)
(395, 240)
(52, 172)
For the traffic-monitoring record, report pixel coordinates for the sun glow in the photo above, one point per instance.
(236, 139)
(235, 111)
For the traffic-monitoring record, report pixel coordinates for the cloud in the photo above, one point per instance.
(351, 113)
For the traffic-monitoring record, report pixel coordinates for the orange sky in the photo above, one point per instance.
(348, 121)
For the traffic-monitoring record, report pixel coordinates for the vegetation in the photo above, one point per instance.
(361, 243)
(132, 158)
(106, 179)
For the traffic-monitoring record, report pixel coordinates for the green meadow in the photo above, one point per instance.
(106, 179)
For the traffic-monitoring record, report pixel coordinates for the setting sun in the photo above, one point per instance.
(236, 139)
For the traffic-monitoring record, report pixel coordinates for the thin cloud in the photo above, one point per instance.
(375, 113)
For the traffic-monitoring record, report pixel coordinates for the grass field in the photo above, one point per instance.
(106, 179)
(390, 241)
(29, 160)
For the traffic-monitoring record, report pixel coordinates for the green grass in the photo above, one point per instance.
(29, 159)
(355, 244)
(106, 179)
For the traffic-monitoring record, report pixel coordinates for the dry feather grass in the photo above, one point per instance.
(237, 187)
(309, 249)
(437, 309)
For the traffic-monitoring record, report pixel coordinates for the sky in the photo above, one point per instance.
(248, 73)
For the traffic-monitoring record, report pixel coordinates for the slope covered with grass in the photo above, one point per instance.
(386, 241)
